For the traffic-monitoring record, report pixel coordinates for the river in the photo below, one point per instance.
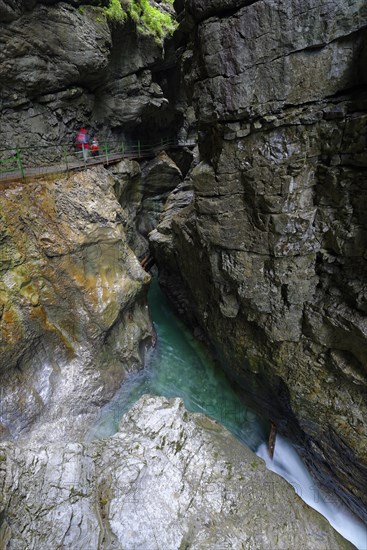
(180, 366)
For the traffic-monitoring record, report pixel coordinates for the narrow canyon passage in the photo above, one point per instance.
(231, 150)
(180, 366)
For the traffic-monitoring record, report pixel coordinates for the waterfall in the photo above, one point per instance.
(287, 463)
(181, 367)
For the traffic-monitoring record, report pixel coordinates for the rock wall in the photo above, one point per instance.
(263, 244)
(73, 313)
(142, 190)
(270, 256)
(64, 65)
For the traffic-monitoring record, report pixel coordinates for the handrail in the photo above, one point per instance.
(33, 160)
(16, 158)
(170, 141)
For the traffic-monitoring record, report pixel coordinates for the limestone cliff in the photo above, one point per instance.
(73, 314)
(63, 65)
(271, 253)
(268, 250)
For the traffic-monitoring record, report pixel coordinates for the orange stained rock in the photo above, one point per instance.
(40, 314)
(11, 327)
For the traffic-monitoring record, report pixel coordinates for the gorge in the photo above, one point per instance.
(259, 237)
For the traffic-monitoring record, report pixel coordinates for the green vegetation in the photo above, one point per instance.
(148, 19)
(115, 11)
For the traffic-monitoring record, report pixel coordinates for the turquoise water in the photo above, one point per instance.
(180, 366)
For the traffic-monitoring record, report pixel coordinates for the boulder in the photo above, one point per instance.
(168, 479)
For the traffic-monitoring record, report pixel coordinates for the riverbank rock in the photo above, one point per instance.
(168, 479)
(73, 315)
(277, 224)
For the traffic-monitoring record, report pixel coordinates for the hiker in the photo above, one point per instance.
(82, 142)
(94, 147)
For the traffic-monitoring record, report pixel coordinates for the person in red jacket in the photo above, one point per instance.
(82, 142)
(94, 147)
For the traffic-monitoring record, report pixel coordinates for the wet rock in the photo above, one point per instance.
(73, 314)
(129, 191)
(159, 177)
(10, 10)
(260, 58)
(168, 479)
(142, 191)
(277, 221)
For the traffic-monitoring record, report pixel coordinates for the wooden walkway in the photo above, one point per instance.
(41, 171)
(80, 164)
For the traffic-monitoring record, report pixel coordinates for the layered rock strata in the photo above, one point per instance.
(270, 256)
(168, 479)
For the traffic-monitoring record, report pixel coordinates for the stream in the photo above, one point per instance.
(180, 366)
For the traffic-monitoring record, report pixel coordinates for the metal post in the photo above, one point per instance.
(66, 159)
(84, 157)
(19, 161)
(139, 149)
(106, 149)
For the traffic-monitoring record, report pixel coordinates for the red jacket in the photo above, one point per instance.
(82, 138)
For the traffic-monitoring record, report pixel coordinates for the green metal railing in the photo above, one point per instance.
(15, 159)
(20, 162)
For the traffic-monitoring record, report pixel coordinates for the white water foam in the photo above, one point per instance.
(287, 463)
